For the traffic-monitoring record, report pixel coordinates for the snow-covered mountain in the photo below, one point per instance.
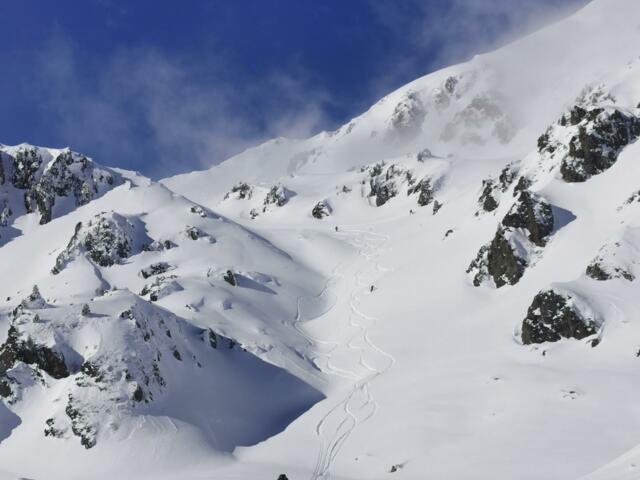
(445, 287)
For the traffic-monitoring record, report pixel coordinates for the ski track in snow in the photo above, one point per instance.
(358, 405)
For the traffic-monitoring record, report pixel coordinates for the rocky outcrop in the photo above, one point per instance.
(162, 286)
(425, 191)
(588, 138)
(277, 196)
(155, 269)
(524, 229)
(107, 239)
(553, 316)
(492, 189)
(21, 348)
(617, 258)
(45, 179)
(504, 264)
(533, 214)
(230, 278)
(600, 138)
(241, 191)
(321, 210)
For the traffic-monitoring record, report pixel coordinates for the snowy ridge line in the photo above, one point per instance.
(358, 405)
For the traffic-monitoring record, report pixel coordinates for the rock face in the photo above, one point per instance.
(601, 136)
(241, 191)
(162, 286)
(107, 239)
(504, 265)
(278, 196)
(321, 210)
(383, 182)
(386, 181)
(492, 189)
(532, 214)
(424, 190)
(155, 269)
(596, 132)
(230, 278)
(21, 348)
(46, 176)
(525, 228)
(553, 316)
(617, 258)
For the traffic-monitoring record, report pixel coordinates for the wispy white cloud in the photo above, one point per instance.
(451, 31)
(145, 102)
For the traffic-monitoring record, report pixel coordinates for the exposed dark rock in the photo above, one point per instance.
(194, 233)
(424, 190)
(51, 430)
(240, 191)
(600, 138)
(230, 278)
(155, 269)
(278, 196)
(68, 175)
(523, 185)
(138, 394)
(160, 287)
(595, 271)
(25, 165)
(487, 200)
(321, 210)
(18, 349)
(532, 214)
(79, 426)
(492, 189)
(198, 210)
(107, 239)
(503, 264)
(216, 340)
(552, 316)
(598, 271)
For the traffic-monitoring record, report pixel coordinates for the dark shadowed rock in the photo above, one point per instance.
(503, 264)
(552, 317)
(321, 210)
(533, 214)
(230, 278)
(601, 137)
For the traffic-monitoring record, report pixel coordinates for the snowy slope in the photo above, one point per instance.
(493, 208)
(142, 328)
(445, 287)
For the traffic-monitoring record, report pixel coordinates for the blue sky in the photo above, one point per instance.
(165, 86)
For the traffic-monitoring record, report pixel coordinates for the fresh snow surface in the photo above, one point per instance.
(313, 307)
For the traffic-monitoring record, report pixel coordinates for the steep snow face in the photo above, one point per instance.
(521, 162)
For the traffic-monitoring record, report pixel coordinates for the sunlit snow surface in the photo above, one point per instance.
(362, 345)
